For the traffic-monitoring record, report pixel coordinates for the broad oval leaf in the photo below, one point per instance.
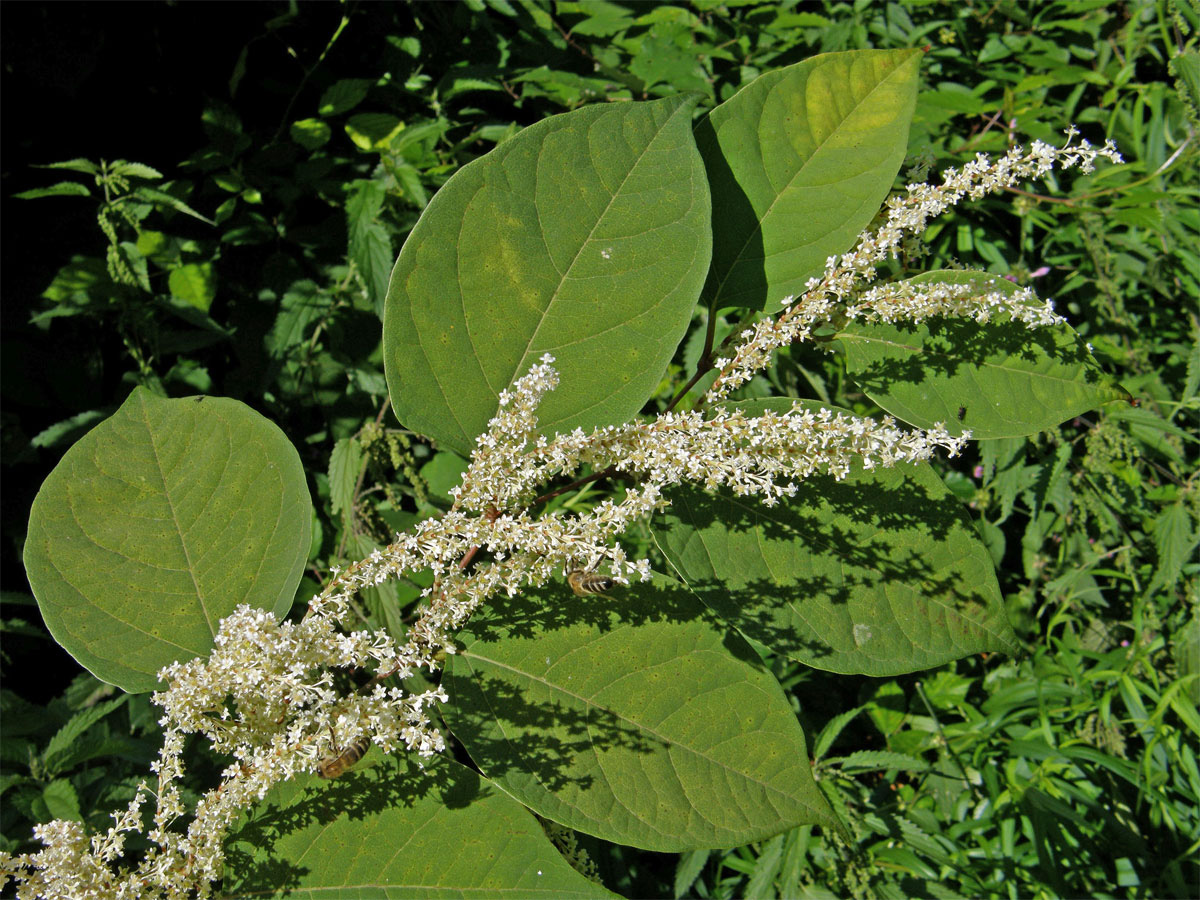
(586, 236)
(799, 162)
(998, 379)
(879, 574)
(634, 716)
(389, 829)
(156, 524)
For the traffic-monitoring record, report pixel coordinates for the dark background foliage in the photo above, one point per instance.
(1077, 762)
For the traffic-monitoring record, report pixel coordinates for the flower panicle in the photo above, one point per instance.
(839, 294)
(267, 695)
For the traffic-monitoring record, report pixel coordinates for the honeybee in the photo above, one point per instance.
(336, 766)
(584, 582)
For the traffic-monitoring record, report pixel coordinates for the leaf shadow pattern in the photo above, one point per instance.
(906, 497)
(369, 791)
(943, 346)
(880, 556)
(512, 700)
(744, 264)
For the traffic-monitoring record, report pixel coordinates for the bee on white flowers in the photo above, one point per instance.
(585, 582)
(338, 765)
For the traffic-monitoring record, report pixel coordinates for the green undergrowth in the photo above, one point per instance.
(257, 267)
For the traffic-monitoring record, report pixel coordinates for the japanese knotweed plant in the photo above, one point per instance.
(530, 316)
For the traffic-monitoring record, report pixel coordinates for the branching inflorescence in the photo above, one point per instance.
(267, 694)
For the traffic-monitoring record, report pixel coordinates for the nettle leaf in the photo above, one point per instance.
(636, 717)
(799, 161)
(194, 284)
(134, 170)
(61, 189)
(879, 574)
(345, 465)
(343, 96)
(310, 133)
(998, 379)
(62, 800)
(370, 245)
(391, 829)
(302, 305)
(586, 236)
(158, 523)
(61, 747)
(85, 166)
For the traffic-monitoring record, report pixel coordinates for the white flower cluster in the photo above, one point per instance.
(280, 697)
(838, 294)
(911, 302)
(266, 695)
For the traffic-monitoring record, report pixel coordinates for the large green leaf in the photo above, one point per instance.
(634, 716)
(998, 379)
(389, 829)
(799, 161)
(587, 236)
(156, 524)
(878, 574)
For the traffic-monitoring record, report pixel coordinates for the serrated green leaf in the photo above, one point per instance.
(888, 707)
(302, 305)
(832, 729)
(75, 165)
(800, 161)
(998, 379)
(62, 802)
(1175, 541)
(414, 134)
(409, 181)
(1191, 385)
(878, 760)
(878, 574)
(119, 746)
(370, 246)
(310, 133)
(601, 18)
(60, 746)
(62, 189)
(389, 829)
(766, 868)
(195, 284)
(634, 716)
(68, 429)
(455, 83)
(153, 195)
(345, 463)
(343, 96)
(688, 869)
(134, 170)
(370, 131)
(586, 236)
(158, 523)
(667, 56)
